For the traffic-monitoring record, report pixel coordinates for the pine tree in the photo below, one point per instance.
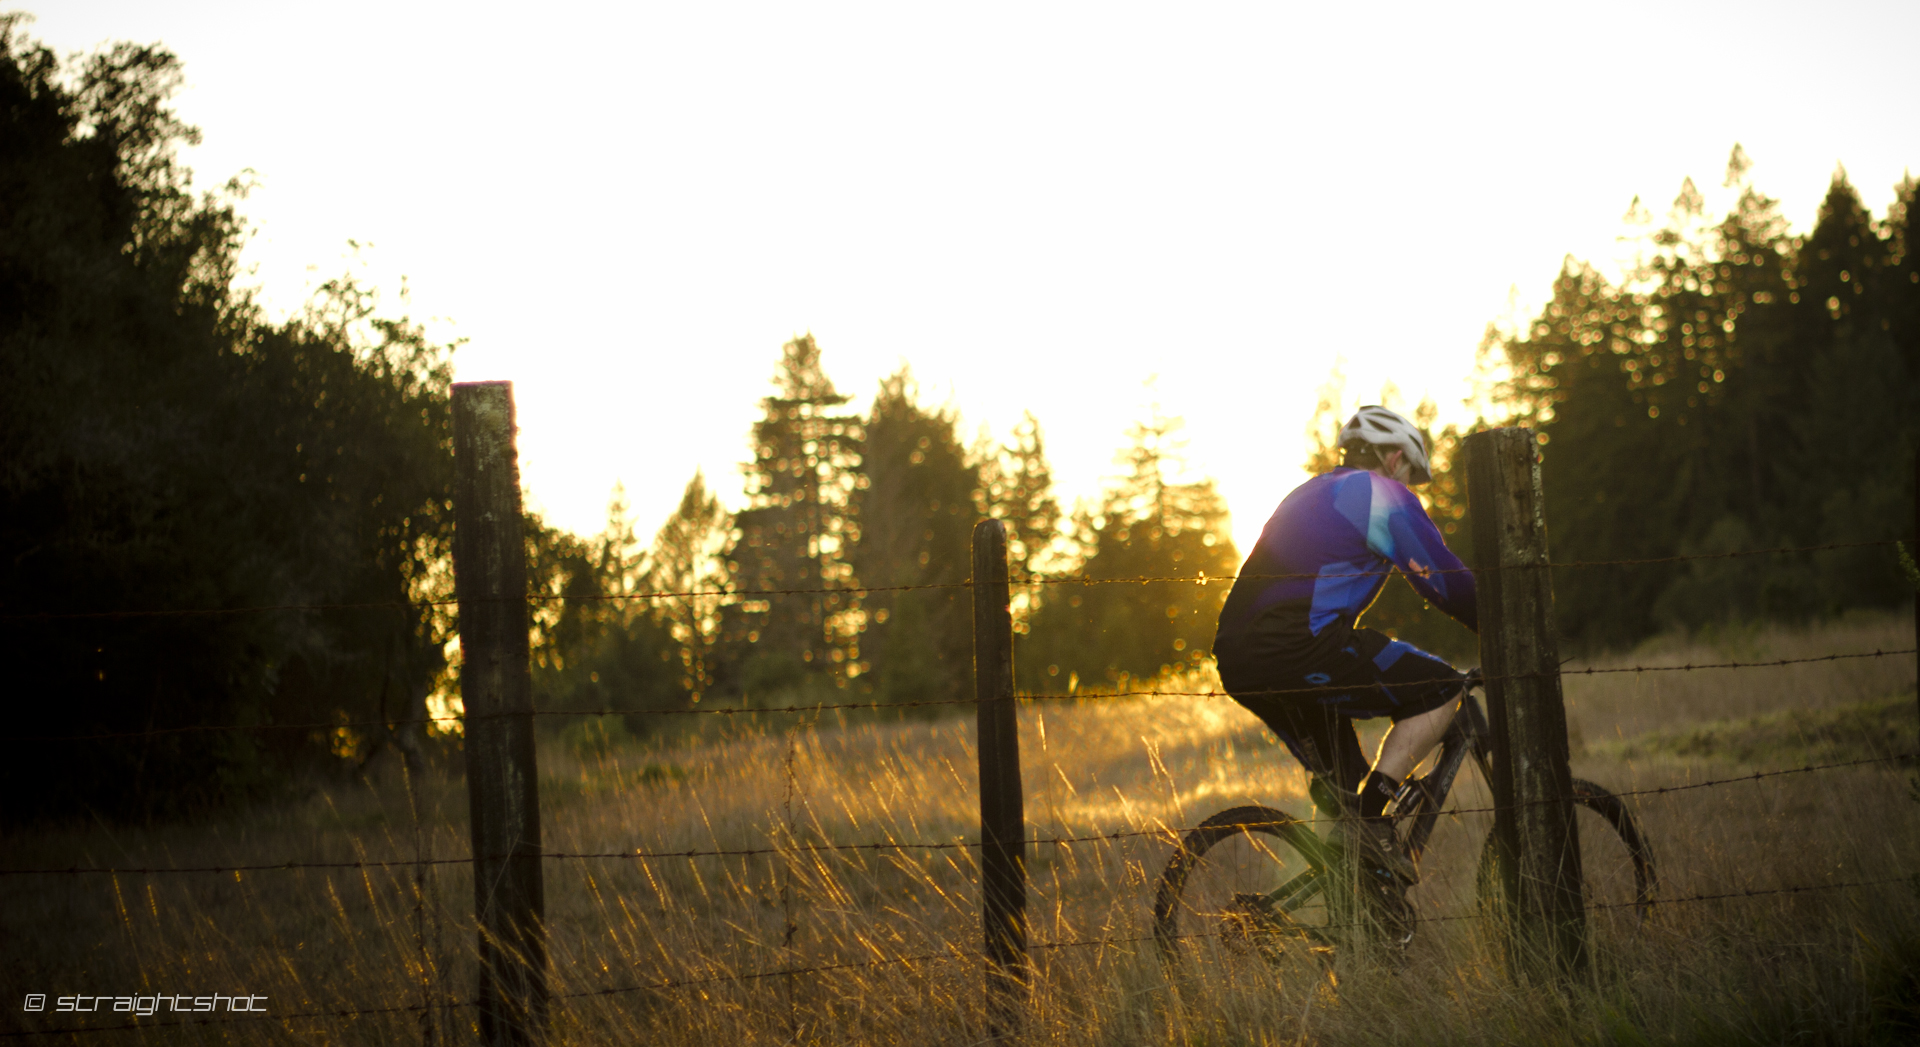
(1147, 526)
(916, 513)
(793, 539)
(1856, 432)
(595, 644)
(688, 565)
(1016, 485)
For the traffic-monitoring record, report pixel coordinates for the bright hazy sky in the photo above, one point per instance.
(626, 209)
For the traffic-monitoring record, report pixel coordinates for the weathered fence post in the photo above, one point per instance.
(1536, 837)
(1003, 823)
(490, 581)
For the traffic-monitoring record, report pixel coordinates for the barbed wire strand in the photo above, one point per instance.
(1199, 579)
(1163, 832)
(821, 707)
(1173, 834)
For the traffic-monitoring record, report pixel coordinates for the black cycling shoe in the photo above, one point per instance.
(1372, 841)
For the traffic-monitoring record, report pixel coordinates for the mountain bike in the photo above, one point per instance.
(1257, 881)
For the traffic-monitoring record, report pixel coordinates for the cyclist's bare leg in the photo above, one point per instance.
(1408, 741)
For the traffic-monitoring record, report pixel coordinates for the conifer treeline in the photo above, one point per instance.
(1745, 388)
(272, 500)
(844, 573)
(1741, 387)
(164, 446)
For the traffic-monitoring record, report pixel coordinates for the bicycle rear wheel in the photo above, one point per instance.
(1616, 862)
(1250, 884)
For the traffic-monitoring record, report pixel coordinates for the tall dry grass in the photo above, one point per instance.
(901, 926)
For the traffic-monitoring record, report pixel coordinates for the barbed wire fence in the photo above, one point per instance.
(513, 989)
(1165, 835)
(1169, 835)
(951, 955)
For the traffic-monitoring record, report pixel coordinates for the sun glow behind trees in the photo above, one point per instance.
(1038, 206)
(240, 461)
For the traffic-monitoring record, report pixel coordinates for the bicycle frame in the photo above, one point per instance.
(1420, 800)
(1363, 902)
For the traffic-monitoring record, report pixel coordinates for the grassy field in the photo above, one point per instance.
(1828, 965)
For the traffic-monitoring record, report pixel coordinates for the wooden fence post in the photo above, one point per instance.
(1003, 823)
(1536, 837)
(490, 581)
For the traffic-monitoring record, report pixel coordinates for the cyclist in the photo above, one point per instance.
(1289, 646)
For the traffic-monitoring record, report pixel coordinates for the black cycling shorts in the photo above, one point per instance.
(1312, 707)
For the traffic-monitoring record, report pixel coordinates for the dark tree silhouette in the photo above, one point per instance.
(163, 447)
(1746, 388)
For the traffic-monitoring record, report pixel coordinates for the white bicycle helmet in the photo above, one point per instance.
(1388, 431)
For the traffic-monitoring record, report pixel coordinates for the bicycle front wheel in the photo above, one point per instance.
(1250, 884)
(1616, 861)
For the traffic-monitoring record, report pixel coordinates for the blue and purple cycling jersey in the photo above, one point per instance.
(1320, 562)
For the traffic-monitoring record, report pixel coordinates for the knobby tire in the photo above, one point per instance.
(1613, 811)
(1289, 836)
